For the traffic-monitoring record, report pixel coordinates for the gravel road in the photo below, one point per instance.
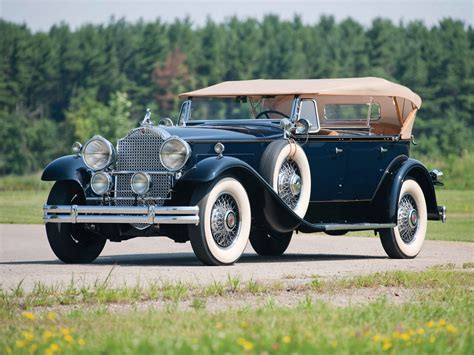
(25, 257)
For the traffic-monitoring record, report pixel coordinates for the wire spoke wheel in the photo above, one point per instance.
(289, 183)
(225, 220)
(408, 218)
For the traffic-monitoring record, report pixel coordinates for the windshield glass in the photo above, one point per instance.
(236, 108)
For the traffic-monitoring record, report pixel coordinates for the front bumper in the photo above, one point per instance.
(121, 214)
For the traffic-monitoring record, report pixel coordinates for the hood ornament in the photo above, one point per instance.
(147, 119)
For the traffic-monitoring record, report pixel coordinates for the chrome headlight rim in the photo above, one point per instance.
(112, 156)
(108, 179)
(147, 179)
(186, 157)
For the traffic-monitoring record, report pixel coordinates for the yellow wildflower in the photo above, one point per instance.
(47, 334)
(432, 339)
(430, 324)
(68, 338)
(81, 342)
(247, 345)
(387, 344)
(451, 328)
(27, 335)
(28, 315)
(420, 331)
(20, 343)
(376, 338)
(286, 339)
(441, 322)
(51, 316)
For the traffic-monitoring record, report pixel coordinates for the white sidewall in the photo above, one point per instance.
(300, 159)
(232, 253)
(414, 247)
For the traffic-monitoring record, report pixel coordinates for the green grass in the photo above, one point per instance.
(22, 207)
(437, 320)
(25, 207)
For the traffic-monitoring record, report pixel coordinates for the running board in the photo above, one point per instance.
(320, 227)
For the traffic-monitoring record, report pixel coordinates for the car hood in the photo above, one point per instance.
(218, 131)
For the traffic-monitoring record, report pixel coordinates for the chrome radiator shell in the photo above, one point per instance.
(140, 151)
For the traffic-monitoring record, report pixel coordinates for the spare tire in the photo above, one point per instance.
(285, 167)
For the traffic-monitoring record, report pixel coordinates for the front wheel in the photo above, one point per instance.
(270, 244)
(406, 239)
(224, 222)
(71, 243)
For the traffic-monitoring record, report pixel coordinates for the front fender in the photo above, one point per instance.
(387, 198)
(68, 167)
(264, 200)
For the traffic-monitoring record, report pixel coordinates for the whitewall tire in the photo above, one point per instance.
(286, 168)
(407, 238)
(225, 222)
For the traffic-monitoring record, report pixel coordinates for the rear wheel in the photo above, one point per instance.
(71, 243)
(270, 244)
(224, 222)
(406, 239)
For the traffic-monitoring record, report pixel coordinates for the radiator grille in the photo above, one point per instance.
(139, 151)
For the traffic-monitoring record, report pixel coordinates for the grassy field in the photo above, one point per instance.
(436, 319)
(25, 207)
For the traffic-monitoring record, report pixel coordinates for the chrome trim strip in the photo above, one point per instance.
(357, 226)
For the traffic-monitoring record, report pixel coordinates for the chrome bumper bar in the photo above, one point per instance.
(121, 214)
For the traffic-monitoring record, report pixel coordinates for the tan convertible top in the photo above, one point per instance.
(368, 86)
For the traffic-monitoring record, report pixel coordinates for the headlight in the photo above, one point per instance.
(98, 153)
(174, 153)
(140, 183)
(101, 183)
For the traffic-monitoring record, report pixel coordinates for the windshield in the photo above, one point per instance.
(236, 108)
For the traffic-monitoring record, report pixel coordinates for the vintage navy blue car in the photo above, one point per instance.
(251, 160)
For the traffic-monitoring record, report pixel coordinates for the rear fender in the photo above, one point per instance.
(68, 167)
(267, 206)
(387, 196)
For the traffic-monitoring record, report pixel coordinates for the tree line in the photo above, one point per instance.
(65, 85)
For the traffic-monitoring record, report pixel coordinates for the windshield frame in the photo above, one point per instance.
(186, 110)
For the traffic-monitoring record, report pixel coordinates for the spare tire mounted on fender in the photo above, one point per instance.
(285, 167)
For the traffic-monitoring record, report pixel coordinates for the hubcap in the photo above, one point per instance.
(225, 220)
(289, 183)
(408, 218)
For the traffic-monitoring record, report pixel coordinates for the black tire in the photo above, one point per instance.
(276, 155)
(393, 243)
(270, 244)
(71, 243)
(221, 242)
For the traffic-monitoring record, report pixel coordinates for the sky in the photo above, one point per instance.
(40, 15)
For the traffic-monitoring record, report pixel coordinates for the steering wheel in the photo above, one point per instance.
(267, 112)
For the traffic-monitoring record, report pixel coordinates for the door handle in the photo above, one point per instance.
(383, 150)
(338, 150)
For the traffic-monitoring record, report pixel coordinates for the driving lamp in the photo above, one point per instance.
(101, 183)
(98, 153)
(140, 183)
(174, 153)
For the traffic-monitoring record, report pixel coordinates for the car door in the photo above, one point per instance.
(367, 161)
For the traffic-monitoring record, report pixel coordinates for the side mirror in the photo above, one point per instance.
(166, 121)
(302, 126)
